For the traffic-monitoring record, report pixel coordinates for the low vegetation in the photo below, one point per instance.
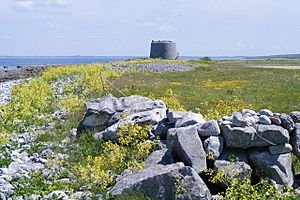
(213, 89)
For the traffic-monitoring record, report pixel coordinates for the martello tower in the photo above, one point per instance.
(163, 49)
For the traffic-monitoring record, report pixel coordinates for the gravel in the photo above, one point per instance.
(157, 66)
(5, 91)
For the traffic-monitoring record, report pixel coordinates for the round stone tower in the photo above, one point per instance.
(163, 49)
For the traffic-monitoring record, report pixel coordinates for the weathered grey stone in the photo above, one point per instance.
(263, 119)
(248, 112)
(246, 137)
(227, 118)
(276, 167)
(209, 128)
(105, 111)
(173, 115)
(214, 146)
(226, 122)
(280, 149)
(251, 120)
(145, 106)
(238, 120)
(162, 128)
(238, 170)
(98, 113)
(189, 119)
(13, 168)
(152, 117)
(276, 120)
(234, 155)
(159, 157)
(266, 112)
(287, 122)
(47, 153)
(186, 146)
(295, 140)
(295, 116)
(6, 188)
(163, 182)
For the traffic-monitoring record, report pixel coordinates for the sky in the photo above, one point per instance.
(126, 27)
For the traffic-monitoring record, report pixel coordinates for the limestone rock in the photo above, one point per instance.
(263, 119)
(276, 120)
(238, 120)
(266, 112)
(287, 122)
(186, 146)
(246, 137)
(152, 117)
(295, 116)
(248, 112)
(173, 115)
(163, 182)
(209, 128)
(104, 112)
(238, 170)
(214, 146)
(280, 149)
(159, 157)
(295, 140)
(189, 119)
(276, 167)
(162, 128)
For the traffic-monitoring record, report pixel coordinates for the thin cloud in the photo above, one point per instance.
(28, 5)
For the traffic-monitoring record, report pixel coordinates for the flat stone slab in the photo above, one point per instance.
(187, 147)
(247, 137)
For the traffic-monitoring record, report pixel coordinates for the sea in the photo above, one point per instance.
(14, 61)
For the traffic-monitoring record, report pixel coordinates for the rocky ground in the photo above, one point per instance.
(157, 66)
(15, 73)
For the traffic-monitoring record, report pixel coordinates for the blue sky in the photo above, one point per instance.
(126, 27)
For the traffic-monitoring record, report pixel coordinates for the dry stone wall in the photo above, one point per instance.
(245, 142)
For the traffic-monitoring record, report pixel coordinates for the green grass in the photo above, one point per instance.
(277, 89)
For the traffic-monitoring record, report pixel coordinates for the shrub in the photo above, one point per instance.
(206, 59)
(132, 148)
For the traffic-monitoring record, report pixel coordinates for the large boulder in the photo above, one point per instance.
(106, 111)
(189, 119)
(266, 112)
(174, 115)
(280, 149)
(239, 170)
(187, 147)
(295, 116)
(98, 114)
(239, 120)
(246, 137)
(276, 167)
(159, 157)
(214, 146)
(152, 117)
(209, 128)
(165, 182)
(287, 122)
(295, 140)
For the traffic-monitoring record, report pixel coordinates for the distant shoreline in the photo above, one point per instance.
(14, 73)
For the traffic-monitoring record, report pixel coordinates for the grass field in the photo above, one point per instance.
(214, 83)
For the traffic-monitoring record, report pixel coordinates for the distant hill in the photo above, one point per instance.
(277, 57)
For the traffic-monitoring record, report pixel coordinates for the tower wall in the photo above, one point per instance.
(163, 49)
